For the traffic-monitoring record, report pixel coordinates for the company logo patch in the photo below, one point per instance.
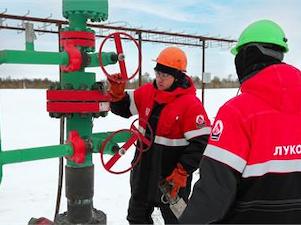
(147, 111)
(200, 121)
(217, 130)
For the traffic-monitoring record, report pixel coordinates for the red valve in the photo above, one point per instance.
(120, 54)
(70, 41)
(136, 136)
(79, 147)
(75, 58)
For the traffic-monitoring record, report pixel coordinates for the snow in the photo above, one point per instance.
(29, 189)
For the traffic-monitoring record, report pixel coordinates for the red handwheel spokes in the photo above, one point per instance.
(121, 151)
(121, 56)
(146, 142)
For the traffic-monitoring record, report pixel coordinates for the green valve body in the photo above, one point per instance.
(80, 122)
(80, 177)
(95, 10)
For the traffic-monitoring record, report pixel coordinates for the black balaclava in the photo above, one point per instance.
(180, 77)
(255, 57)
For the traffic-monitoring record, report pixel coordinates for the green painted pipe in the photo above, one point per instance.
(33, 57)
(98, 138)
(77, 22)
(30, 154)
(107, 59)
(51, 58)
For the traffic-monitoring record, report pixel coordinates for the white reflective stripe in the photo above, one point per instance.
(199, 132)
(273, 166)
(224, 156)
(141, 130)
(171, 142)
(133, 108)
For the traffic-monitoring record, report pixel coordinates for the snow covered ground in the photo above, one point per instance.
(29, 189)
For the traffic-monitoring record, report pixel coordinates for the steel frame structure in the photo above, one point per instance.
(141, 35)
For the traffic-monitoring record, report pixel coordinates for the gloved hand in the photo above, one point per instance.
(116, 87)
(178, 179)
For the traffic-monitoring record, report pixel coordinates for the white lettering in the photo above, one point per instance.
(298, 149)
(287, 150)
(278, 150)
(292, 149)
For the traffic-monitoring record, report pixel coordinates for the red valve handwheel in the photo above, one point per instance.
(108, 165)
(120, 54)
(145, 141)
(137, 136)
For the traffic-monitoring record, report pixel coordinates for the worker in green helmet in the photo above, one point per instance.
(250, 170)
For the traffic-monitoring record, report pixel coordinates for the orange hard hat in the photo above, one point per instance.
(173, 57)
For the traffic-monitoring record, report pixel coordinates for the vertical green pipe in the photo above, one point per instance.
(29, 46)
(80, 122)
(77, 22)
(80, 178)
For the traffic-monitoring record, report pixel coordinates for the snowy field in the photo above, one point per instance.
(29, 189)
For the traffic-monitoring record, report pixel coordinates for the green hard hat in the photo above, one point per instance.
(262, 31)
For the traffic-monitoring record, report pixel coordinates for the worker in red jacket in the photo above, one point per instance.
(181, 129)
(251, 169)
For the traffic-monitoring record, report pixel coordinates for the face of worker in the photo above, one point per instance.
(164, 80)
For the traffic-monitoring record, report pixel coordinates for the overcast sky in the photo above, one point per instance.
(217, 18)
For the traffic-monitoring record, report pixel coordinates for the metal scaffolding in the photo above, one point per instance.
(53, 26)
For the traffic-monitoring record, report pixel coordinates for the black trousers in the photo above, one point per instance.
(140, 210)
(140, 213)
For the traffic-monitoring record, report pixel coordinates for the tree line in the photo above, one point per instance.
(9, 83)
(216, 82)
